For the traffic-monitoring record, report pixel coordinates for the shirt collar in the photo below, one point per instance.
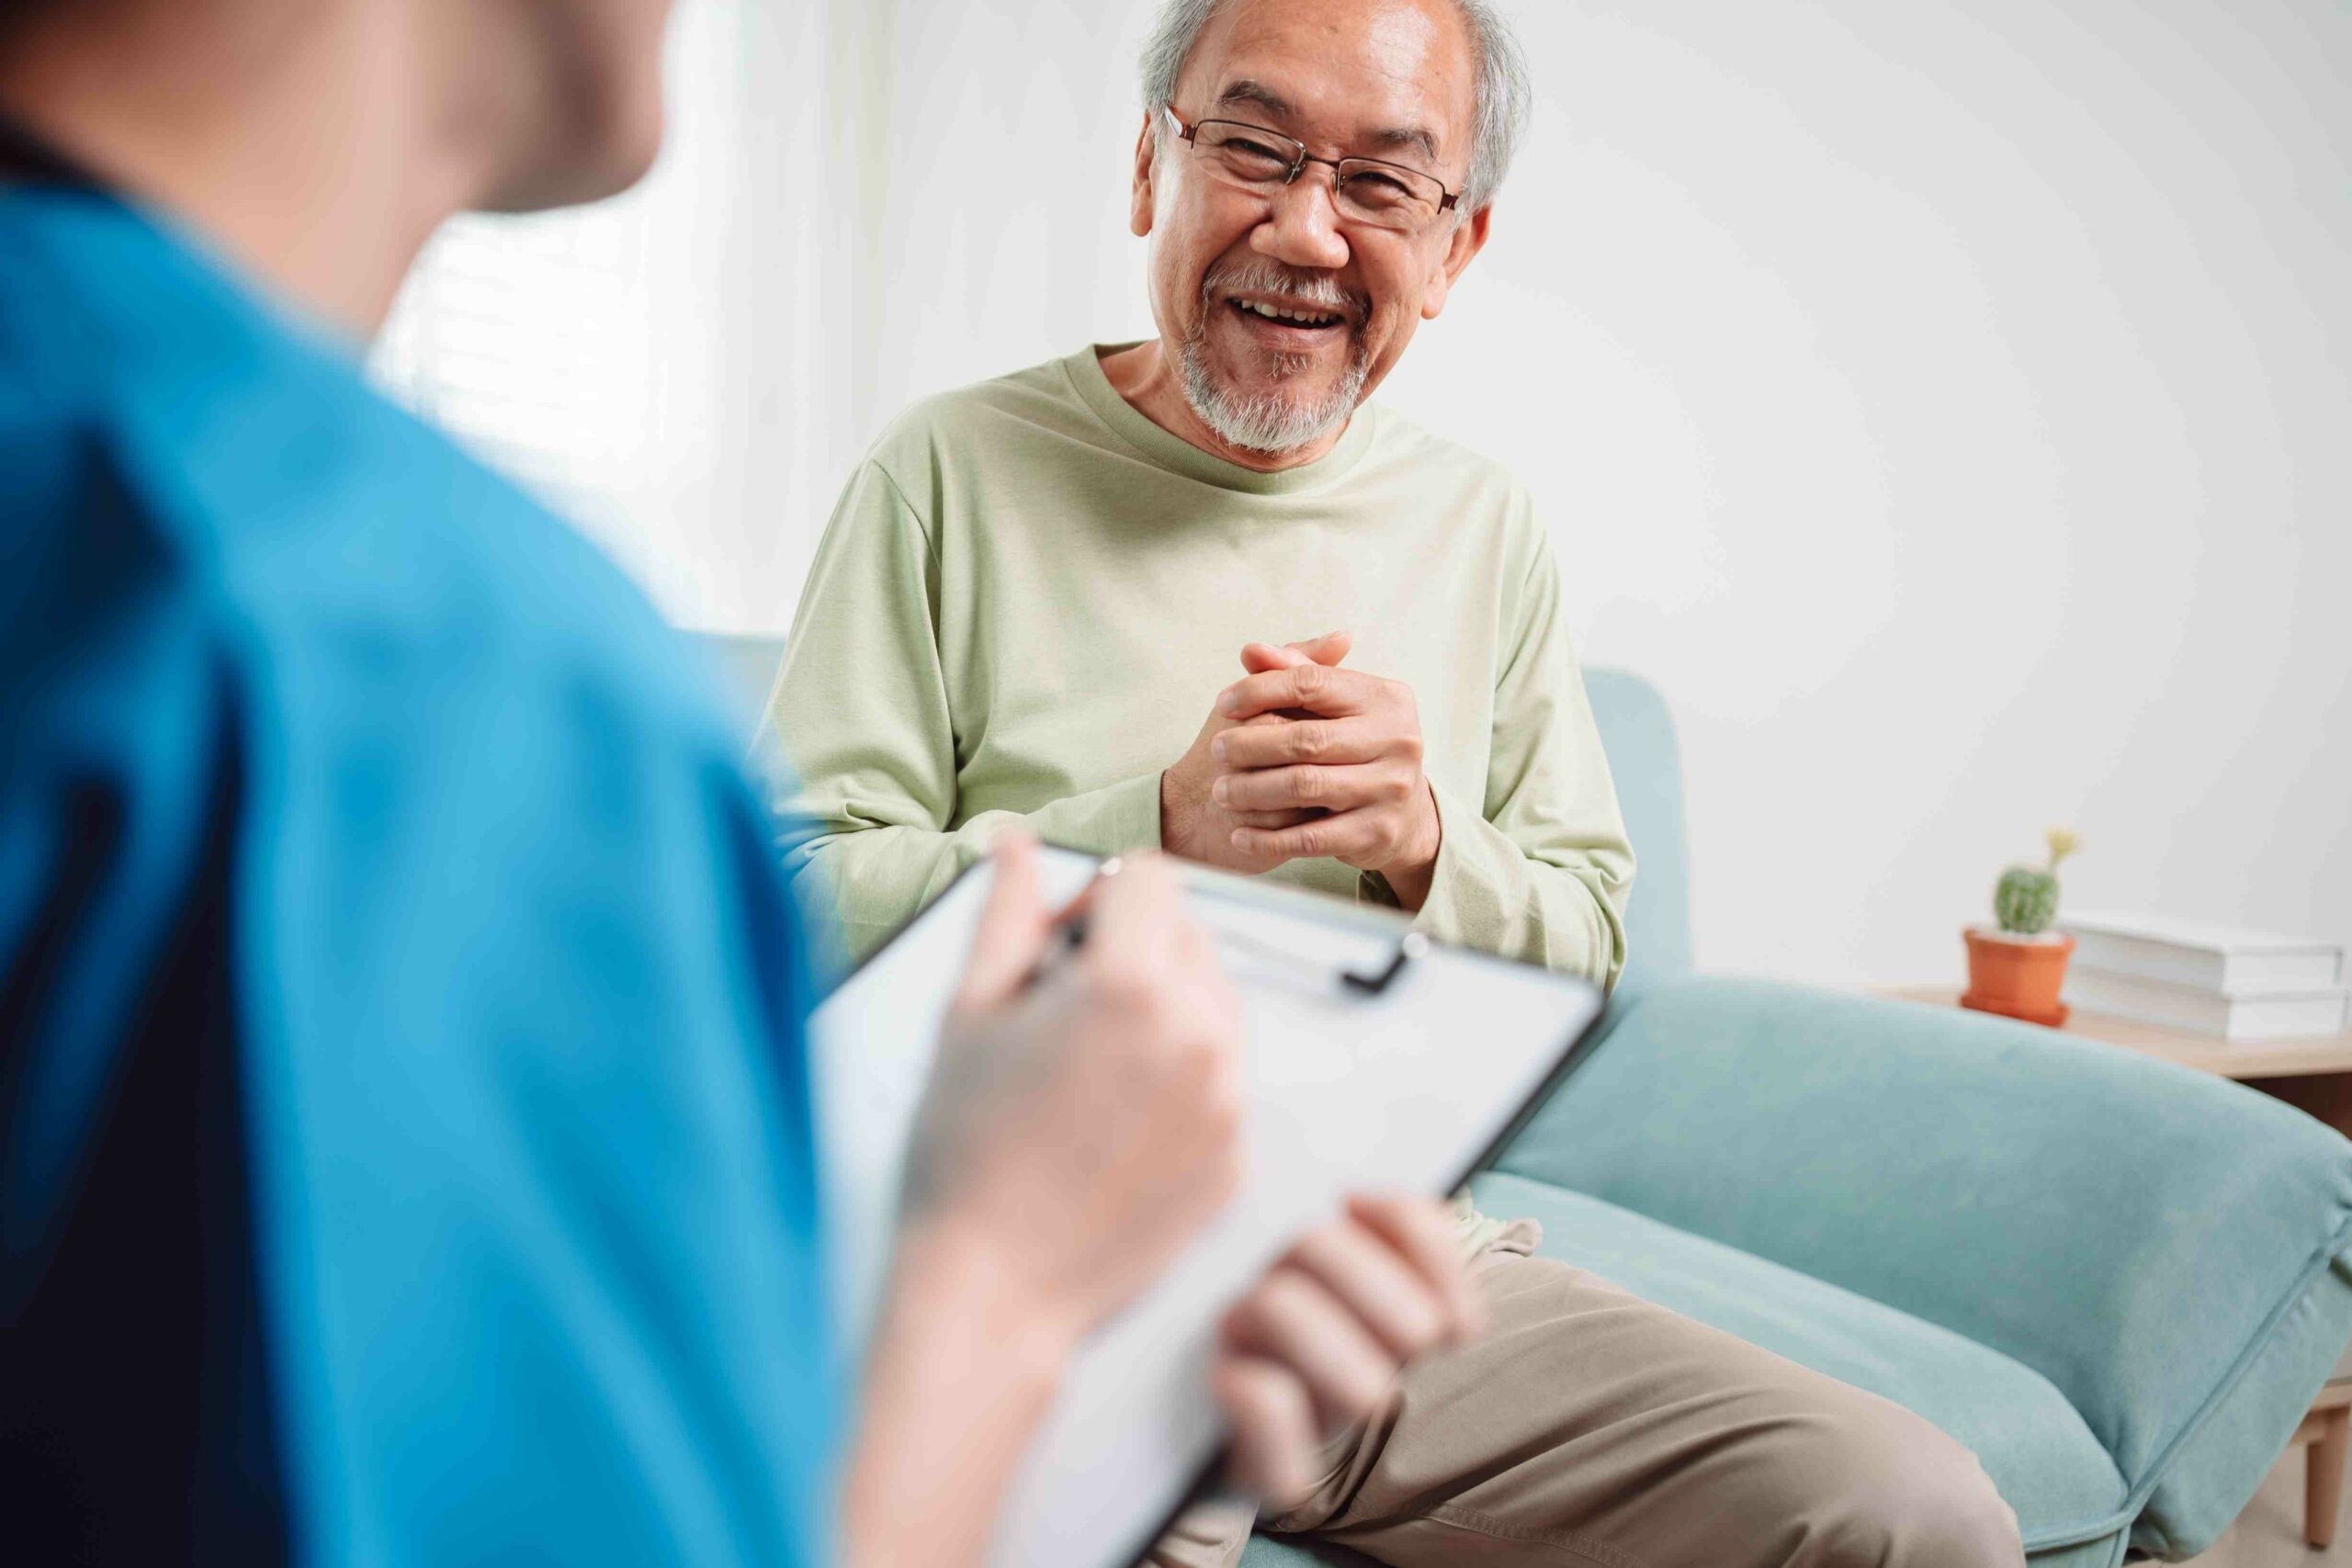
(1172, 451)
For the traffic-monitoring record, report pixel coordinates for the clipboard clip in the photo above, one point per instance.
(1411, 945)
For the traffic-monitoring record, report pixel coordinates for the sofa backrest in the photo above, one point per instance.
(1637, 732)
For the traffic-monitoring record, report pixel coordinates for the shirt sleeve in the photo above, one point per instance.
(1540, 869)
(861, 719)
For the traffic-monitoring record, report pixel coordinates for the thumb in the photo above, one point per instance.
(1332, 647)
(1013, 927)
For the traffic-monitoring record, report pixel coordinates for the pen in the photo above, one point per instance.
(1072, 933)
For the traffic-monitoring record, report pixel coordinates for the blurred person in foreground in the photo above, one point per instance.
(404, 1125)
(1027, 609)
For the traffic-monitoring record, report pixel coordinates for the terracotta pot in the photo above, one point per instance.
(2020, 979)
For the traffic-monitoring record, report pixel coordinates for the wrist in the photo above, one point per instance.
(1179, 815)
(958, 1373)
(1412, 872)
(1168, 810)
(952, 1270)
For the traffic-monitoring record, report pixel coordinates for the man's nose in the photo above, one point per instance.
(1301, 227)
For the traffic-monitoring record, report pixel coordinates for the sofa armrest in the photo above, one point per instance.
(2139, 1232)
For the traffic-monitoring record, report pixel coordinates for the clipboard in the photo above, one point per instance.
(1372, 1058)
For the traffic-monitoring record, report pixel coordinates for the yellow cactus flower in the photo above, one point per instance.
(2063, 842)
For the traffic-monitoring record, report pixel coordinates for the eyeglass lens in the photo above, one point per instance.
(1365, 190)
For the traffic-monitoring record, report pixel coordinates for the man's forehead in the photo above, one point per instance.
(1382, 76)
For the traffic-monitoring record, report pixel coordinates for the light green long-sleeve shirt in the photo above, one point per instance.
(1030, 595)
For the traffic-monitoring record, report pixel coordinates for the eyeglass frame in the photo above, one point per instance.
(1187, 133)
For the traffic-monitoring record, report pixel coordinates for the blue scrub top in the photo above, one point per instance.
(406, 1147)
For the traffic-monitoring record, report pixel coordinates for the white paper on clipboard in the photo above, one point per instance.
(1403, 1090)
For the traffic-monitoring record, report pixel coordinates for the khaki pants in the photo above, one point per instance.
(1589, 1427)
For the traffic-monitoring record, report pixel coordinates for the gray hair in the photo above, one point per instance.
(1504, 92)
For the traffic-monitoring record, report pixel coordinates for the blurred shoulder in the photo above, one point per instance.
(340, 548)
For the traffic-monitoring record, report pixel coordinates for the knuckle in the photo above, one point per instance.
(1285, 1293)
(1309, 782)
(1420, 1323)
(1308, 741)
(1368, 1389)
(1246, 1321)
(1423, 1237)
(1310, 680)
(1328, 1239)
(1360, 1386)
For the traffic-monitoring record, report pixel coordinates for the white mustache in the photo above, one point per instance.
(1313, 288)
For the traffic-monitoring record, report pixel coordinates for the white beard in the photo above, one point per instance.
(1267, 421)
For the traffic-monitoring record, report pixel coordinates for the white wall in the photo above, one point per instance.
(1952, 417)
(686, 371)
(1955, 417)
(1950, 406)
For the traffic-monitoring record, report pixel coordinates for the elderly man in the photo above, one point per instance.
(1032, 590)
(1027, 609)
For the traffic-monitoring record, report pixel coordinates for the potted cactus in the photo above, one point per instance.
(2017, 966)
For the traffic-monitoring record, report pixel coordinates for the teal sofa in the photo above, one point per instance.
(2119, 1282)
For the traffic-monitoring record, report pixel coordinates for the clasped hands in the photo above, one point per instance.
(1302, 757)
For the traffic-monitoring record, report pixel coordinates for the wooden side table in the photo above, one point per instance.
(2313, 1076)
(2325, 1433)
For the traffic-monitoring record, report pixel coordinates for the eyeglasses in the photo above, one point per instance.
(1365, 190)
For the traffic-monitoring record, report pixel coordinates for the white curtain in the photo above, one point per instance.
(861, 202)
(686, 371)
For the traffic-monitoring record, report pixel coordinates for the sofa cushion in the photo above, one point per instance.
(2156, 1241)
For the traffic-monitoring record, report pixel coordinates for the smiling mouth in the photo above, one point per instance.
(1293, 317)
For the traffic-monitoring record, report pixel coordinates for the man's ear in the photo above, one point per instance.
(1139, 198)
(1469, 237)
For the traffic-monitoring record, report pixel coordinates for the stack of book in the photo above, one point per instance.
(2241, 987)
